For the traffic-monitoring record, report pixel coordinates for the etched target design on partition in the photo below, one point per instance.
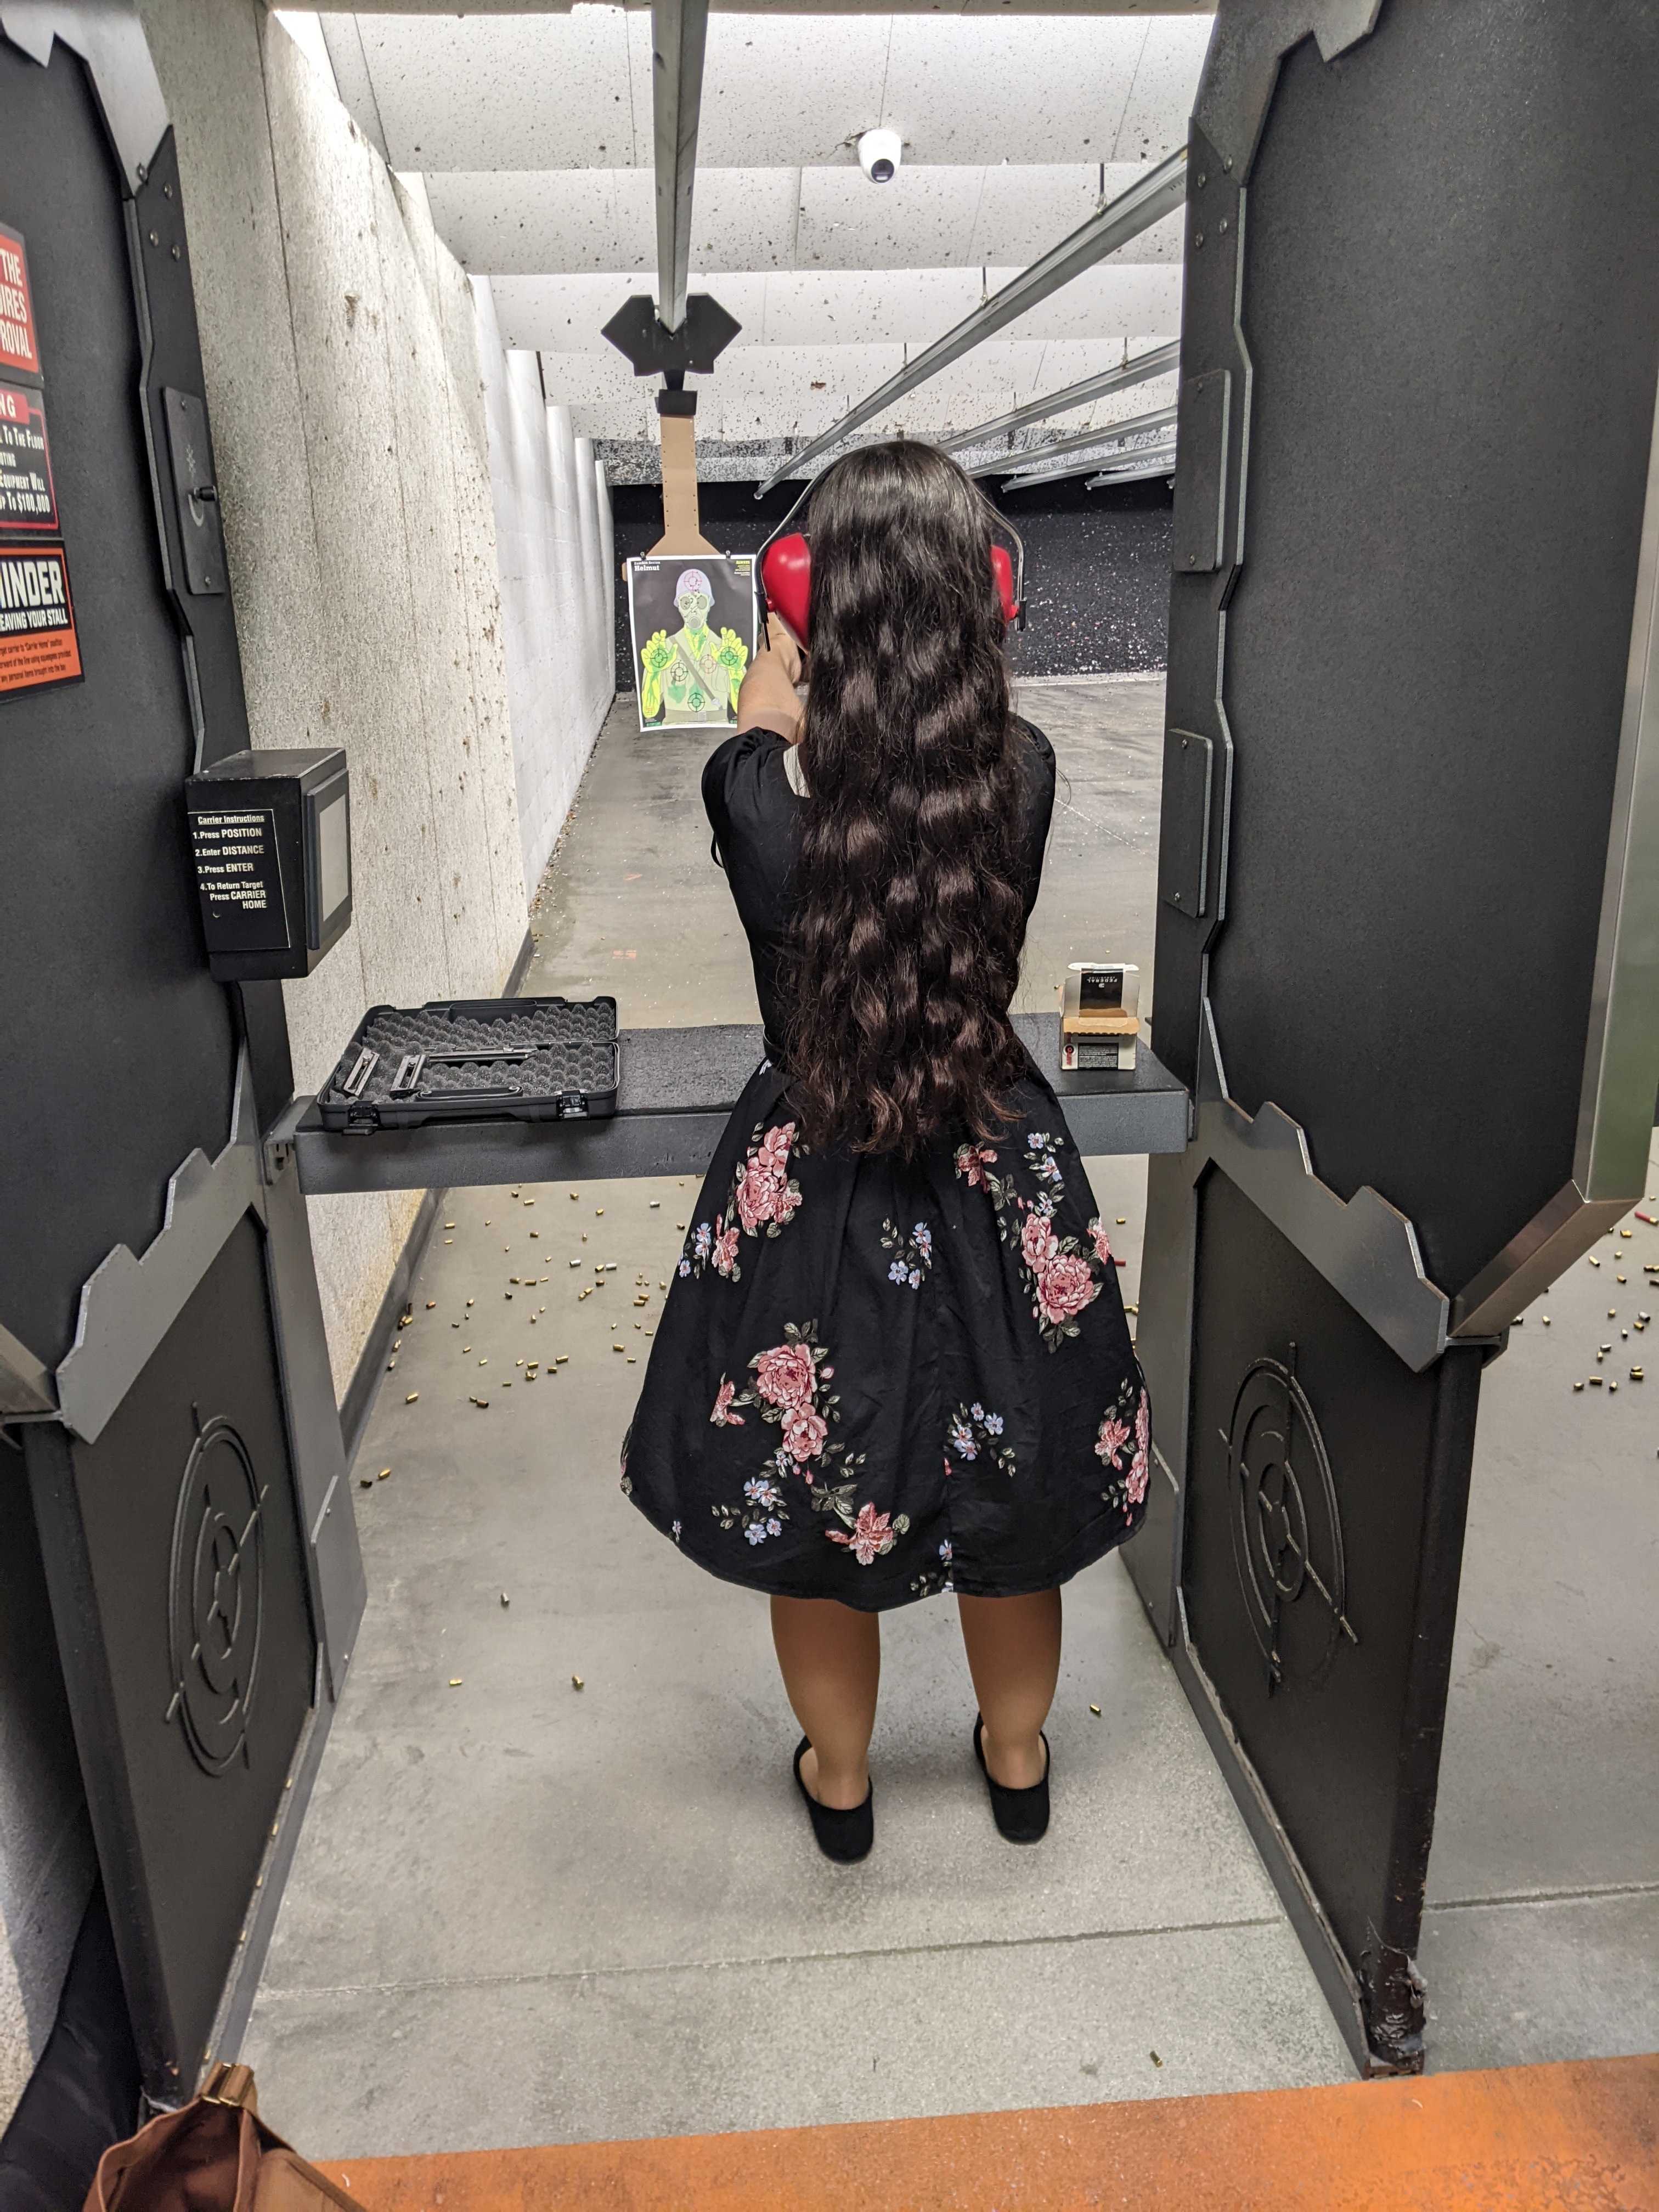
(216, 1598)
(1286, 1530)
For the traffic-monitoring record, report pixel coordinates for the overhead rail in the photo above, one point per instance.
(1140, 370)
(679, 32)
(1036, 460)
(1156, 460)
(1147, 202)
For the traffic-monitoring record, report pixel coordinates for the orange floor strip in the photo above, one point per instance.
(1582, 2137)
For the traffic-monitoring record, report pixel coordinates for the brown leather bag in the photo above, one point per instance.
(215, 2155)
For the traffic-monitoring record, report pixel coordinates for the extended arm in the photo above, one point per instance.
(767, 700)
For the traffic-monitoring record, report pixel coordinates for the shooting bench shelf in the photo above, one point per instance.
(678, 1087)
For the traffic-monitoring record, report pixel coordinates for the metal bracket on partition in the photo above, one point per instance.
(110, 39)
(128, 1305)
(1198, 527)
(1187, 759)
(1365, 1249)
(1243, 62)
(1558, 1234)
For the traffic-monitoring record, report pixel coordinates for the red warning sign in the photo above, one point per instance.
(38, 643)
(27, 499)
(19, 347)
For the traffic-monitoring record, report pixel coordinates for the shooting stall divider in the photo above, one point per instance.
(1407, 949)
(175, 1403)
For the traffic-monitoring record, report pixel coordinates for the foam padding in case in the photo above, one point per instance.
(526, 1059)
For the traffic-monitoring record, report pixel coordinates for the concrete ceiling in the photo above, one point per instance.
(852, 308)
(541, 223)
(573, 91)
(531, 131)
(800, 7)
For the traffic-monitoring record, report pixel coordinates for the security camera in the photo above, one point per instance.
(880, 152)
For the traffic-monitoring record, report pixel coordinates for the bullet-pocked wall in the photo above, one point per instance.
(553, 546)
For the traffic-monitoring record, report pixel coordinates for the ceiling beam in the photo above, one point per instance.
(1140, 370)
(679, 32)
(1147, 200)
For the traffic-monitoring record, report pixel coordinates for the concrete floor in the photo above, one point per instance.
(1541, 1939)
(524, 1912)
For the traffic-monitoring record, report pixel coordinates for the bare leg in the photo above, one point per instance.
(830, 1658)
(1013, 1655)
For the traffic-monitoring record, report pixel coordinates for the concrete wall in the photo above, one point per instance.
(557, 587)
(344, 384)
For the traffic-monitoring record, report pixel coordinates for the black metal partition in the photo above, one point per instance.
(161, 1350)
(1408, 925)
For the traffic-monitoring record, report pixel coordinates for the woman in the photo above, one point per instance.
(894, 1360)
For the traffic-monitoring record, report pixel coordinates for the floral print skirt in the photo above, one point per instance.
(875, 1378)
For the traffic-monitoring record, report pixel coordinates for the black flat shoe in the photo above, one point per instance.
(1021, 1816)
(847, 1835)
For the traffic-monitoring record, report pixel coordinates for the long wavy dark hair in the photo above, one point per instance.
(911, 912)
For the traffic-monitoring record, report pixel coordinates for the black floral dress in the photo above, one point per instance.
(875, 1378)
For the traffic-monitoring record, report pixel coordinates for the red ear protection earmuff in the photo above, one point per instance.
(785, 570)
(1002, 568)
(786, 580)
